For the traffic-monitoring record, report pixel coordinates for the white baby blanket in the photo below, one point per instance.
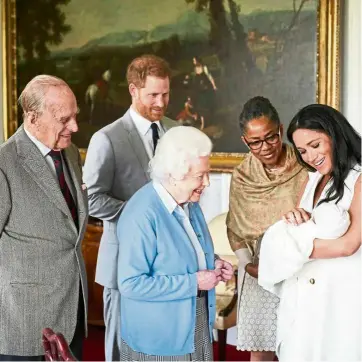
(285, 247)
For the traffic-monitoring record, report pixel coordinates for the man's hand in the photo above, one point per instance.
(226, 269)
(252, 269)
(208, 279)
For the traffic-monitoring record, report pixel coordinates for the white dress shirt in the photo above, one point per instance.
(183, 216)
(143, 126)
(44, 150)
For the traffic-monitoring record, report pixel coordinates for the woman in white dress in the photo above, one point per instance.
(319, 316)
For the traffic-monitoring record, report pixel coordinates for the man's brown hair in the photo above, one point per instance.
(146, 65)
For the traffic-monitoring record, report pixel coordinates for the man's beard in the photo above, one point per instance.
(146, 112)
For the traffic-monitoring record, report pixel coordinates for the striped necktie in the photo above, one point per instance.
(57, 159)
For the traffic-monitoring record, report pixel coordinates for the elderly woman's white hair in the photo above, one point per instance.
(32, 98)
(177, 150)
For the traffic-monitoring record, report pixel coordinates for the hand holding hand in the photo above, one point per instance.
(226, 269)
(208, 279)
(296, 216)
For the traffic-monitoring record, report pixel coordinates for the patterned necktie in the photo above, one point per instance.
(155, 136)
(57, 159)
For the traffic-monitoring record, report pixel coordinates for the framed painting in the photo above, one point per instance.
(221, 52)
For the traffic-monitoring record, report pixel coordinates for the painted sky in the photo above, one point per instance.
(96, 18)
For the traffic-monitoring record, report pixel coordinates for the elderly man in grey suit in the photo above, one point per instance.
(117, 166)
(43, 215)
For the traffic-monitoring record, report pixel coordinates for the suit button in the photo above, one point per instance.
(311, 281)
(199, 236)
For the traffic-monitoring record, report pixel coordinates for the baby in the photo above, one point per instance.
(286, 247)
(329, 221)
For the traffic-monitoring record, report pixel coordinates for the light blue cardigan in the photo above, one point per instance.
(157, 267)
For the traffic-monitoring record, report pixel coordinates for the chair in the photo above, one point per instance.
(226, 293)
(56, 347)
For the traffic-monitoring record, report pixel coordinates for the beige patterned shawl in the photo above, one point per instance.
(258, 198)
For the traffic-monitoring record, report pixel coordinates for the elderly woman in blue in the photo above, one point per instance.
(167, 270)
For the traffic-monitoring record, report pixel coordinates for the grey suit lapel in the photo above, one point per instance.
(136, 143)
(74, 173)
(34, 163)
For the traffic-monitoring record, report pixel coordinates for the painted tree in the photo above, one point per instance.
(39, 26)
(229, 42)
(285, 37)
(240, 35)
(227, 34)
(220, 37)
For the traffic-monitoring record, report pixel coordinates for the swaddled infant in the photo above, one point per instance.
(329, 221)
(286, 247)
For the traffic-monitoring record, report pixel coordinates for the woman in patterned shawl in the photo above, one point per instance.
(263, 187)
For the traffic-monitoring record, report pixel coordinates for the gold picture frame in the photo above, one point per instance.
(327, 70)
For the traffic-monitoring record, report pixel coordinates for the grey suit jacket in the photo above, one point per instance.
(41, 265)
(115, 168)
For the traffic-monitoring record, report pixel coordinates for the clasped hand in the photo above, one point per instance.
(208, 279)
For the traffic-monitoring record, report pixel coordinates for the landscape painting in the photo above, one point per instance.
(221, 53)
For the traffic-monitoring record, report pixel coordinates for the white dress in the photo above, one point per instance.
(319, 316)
